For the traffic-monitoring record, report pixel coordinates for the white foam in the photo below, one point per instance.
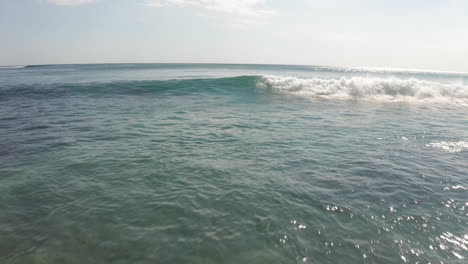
(454, 187)
(450, 146)
(382, 89)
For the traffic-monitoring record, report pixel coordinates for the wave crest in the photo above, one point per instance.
(391, 89)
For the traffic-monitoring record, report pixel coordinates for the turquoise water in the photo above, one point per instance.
(190, 163)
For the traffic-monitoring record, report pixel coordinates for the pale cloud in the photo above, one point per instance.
(248, 8)
(154, 4)
(70, 2)
(161, 3)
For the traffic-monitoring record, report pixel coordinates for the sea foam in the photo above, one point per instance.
(450, 146)
(385, 89)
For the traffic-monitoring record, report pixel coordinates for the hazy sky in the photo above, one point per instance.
(418, 34)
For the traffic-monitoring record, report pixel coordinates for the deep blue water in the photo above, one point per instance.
(205, 163)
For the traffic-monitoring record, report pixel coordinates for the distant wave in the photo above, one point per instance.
(309, 68)
(391, 89)
(450, 146)
(12, 67)
(24, 66)
(38, 65)
(402, 70)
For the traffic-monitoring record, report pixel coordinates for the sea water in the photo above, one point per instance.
(204, 163)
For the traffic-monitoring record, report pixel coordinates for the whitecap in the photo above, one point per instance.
(450, 146)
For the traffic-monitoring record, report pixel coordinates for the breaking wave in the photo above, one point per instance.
(450, 146)
(361, 88)
(386, 89)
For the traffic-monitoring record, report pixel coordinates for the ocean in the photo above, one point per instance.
(220, 163)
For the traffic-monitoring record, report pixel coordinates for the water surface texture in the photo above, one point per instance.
(200, 163)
